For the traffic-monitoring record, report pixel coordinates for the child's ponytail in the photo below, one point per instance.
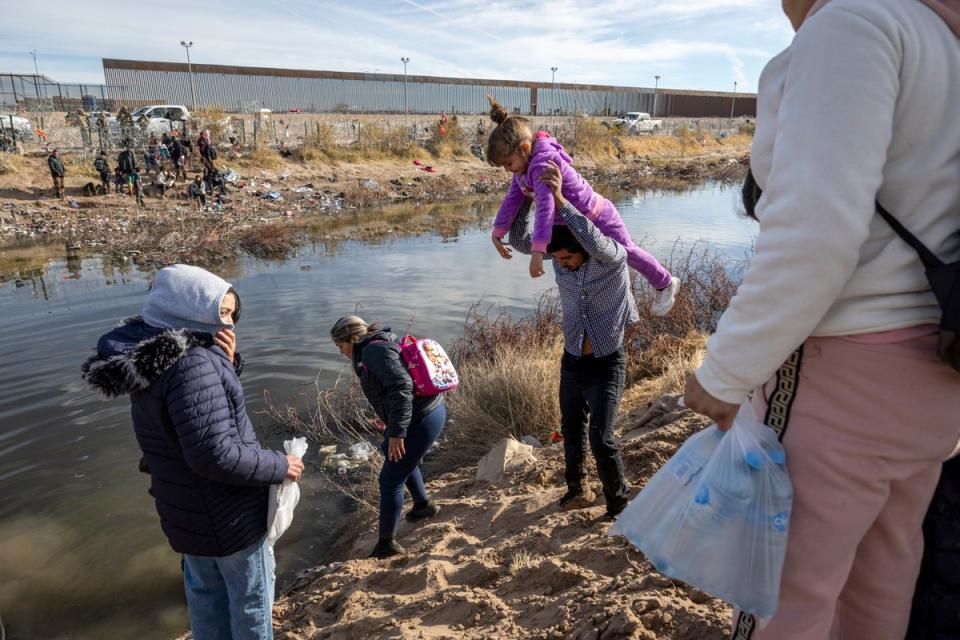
(498, 113)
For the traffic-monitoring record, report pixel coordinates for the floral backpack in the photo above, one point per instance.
(429, 366)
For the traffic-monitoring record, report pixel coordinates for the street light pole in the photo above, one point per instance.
(193, 90)
(406, 116)
(733, 99)
(656, 85)
(553, 76)
(36, 85)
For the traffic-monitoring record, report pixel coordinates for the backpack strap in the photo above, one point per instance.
(926, 256)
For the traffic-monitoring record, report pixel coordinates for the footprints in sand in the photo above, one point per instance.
(503, 561)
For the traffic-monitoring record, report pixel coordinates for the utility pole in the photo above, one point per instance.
(36, 86)
(733, 99)
(406, 116)
(193, 90)
(656, 85)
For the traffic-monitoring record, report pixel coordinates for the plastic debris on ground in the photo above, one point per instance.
(231, 176)
(533, 441)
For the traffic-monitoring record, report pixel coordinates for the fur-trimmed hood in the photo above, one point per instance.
(134, 354)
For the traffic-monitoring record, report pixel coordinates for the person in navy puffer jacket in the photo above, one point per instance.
(209, 475)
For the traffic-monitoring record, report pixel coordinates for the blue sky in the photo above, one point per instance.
(691, 44)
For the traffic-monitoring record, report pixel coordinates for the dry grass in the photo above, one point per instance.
(80, 166)
(12, 164)
(374, 142)
(339, 415)
(260, 157)
(509, 392)
(709, 282)
(521, 560)
(690, 142)
(273, 241)
(592, 139)
(453, 144)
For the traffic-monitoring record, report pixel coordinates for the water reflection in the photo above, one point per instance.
(81, 552)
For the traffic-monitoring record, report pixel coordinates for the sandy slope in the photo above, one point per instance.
(502, 561)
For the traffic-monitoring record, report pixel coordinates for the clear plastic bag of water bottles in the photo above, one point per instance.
(716, 514)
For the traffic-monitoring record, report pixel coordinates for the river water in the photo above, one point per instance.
(81, 551)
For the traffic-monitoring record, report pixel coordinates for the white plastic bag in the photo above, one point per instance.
(716, 515)
(284, 497)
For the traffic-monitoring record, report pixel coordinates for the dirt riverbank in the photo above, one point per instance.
(502, 560)
(269, 197)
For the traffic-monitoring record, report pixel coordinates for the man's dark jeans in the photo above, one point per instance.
(590, 392)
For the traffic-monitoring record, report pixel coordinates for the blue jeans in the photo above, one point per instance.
(394, 475)
(231, 598)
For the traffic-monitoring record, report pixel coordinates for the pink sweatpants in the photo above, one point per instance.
(869, 426)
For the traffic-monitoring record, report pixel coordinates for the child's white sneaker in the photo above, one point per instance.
(665, 298)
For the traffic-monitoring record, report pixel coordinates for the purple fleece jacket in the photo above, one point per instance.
(576, 191)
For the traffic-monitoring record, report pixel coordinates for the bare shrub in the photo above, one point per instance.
(455, 143)
(339, 415)
(272, 241)
(591, 138)
(709, 281)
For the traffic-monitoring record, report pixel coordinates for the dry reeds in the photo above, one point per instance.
(260, 157)
(709, 281)
(454, 143)
(341, 416)
(593, 139)
(272, 241)
(12, 164)
(79, 166)
(374, 142)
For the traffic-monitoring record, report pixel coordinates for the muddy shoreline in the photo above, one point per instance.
(361, 201)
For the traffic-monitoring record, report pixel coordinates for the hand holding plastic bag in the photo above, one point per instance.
(716, 514)
(284, 497)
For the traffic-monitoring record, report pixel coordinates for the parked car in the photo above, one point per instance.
(638, 122)
(22, 126)
(296, 110)
(161, 116)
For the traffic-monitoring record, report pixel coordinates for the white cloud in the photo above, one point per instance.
(691, 43)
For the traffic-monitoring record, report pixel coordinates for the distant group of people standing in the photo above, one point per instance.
(167, 158)
(833, 338)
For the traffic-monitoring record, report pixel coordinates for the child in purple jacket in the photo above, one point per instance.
(514, 147)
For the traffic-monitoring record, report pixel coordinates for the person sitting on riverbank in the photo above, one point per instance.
(413, 423)
(162, 182)
(209, 475)
(515, 148)
(597, 304)
(213, 179)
